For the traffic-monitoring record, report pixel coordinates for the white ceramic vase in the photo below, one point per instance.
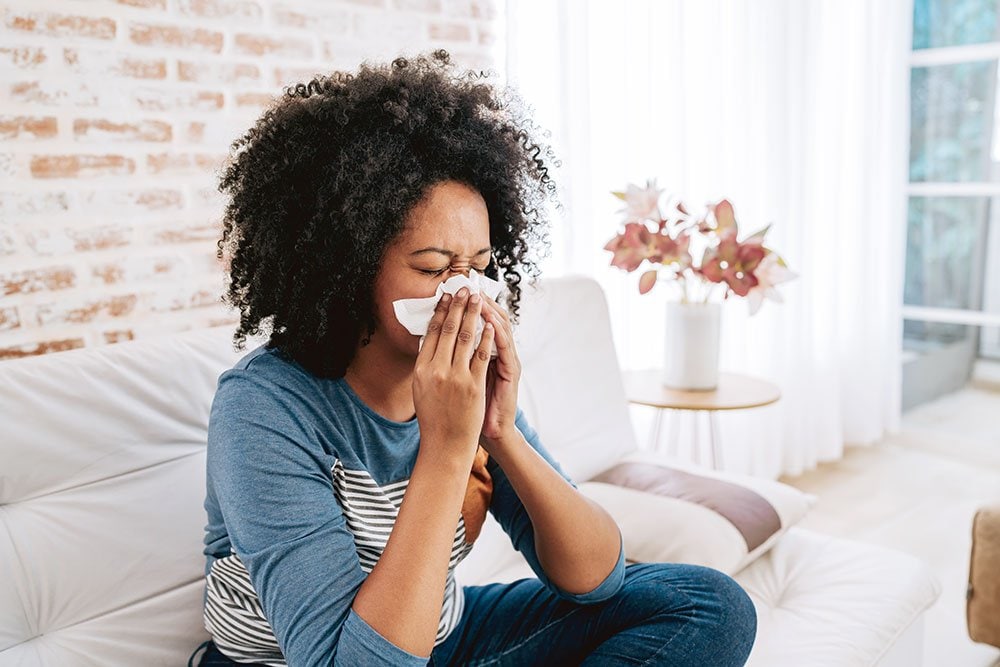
(691, 352)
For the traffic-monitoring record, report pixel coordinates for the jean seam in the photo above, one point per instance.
(525, 640)
(687, 622)
(669, 641)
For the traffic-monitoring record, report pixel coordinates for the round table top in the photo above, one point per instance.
(734, 392)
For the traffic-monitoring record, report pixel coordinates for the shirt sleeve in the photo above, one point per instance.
(506, 507)
(272, 477)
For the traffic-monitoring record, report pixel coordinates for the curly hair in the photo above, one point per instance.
(322, 184)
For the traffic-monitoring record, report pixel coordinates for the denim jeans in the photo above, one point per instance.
(669, 614)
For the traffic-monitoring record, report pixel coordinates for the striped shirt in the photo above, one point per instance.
(304, 483)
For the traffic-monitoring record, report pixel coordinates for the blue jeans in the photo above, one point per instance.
(669, 614)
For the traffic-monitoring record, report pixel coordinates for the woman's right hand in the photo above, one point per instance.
(449, 379)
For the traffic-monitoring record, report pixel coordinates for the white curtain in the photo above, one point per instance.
(796, 111)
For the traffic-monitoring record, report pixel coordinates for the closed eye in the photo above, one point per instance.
(432, 272)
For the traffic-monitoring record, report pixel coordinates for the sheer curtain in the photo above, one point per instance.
(797, 112)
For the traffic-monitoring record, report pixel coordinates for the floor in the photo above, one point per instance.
(922, 487)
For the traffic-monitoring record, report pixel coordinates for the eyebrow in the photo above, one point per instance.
(443, 251)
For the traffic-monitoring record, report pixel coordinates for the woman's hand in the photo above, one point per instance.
(502, 378)
(449, 378)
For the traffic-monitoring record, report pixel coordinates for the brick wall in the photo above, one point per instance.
(114, 120)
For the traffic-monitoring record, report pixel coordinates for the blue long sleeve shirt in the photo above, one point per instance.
(304, 482)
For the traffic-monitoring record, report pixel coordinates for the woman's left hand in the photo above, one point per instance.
(502, 377)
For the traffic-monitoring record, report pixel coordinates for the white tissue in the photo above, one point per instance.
(415, 314)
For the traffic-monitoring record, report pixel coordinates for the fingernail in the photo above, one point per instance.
(474, 298)
(446, 297)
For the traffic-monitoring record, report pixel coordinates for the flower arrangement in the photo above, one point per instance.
(744, 267)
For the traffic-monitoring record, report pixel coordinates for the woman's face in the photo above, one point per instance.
(447, 233)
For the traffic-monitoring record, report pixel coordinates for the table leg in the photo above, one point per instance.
(694, 451)
(654, 436)
(713, 432)
(674, 445)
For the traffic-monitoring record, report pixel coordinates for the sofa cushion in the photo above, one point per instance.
(571, 388)
(824, 600)
(821, 601)
(102, 480)
(672, 511)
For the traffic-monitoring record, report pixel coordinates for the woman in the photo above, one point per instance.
(355, 191)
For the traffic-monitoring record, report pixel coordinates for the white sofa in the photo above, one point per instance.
(102, 479)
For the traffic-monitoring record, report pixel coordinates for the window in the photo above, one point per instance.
(952, 283)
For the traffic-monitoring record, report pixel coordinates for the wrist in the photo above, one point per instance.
(510, 438)
(445, 461)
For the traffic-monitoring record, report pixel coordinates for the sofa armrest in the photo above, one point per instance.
(983, 593)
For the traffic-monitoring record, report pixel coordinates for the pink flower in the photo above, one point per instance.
(638, 243)
(725, 218)
(630, 247)
(733, 262)
(666, 250)
(771, 271)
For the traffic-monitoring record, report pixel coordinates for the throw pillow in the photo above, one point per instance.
(673, 511)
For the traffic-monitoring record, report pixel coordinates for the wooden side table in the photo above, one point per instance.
(734, 392)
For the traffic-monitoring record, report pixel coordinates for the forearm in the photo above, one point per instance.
(576, 540)
(401, 597)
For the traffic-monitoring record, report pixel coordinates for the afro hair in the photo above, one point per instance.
(322, 184)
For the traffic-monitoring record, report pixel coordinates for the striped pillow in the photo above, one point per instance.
(672, 511)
